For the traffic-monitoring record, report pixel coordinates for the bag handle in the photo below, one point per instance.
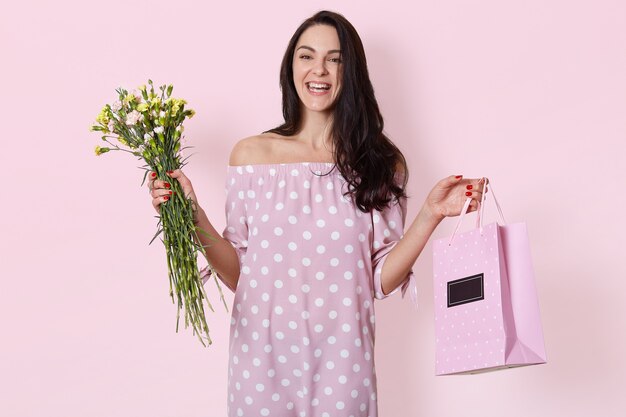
(480, 213)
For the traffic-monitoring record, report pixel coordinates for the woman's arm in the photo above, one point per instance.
(220, 252)
(445, 199)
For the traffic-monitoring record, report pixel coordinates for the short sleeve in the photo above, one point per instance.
(236, 230)
(388, 229)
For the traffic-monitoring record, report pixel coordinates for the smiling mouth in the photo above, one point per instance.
(317, 87)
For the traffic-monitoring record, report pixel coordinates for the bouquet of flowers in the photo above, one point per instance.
(149, 126)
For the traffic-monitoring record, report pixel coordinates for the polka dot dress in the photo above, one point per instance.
(302, 328)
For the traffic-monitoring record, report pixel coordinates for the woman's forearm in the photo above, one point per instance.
(220, 252)
(401, 258)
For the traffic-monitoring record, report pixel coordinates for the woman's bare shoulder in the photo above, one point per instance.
(253, 149)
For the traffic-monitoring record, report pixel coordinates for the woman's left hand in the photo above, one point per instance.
(449, 195)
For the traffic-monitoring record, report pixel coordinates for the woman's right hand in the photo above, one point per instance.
(161, 190)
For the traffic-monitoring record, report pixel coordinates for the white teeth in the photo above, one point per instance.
(319, 86)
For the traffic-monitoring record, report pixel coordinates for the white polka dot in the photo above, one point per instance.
(357, 342)
(278, 231)
(376, 218)
(289, 405)
(256, 361)
(305, 315)
(356, 367)
(265, 323)
(265, 297)
(307, 184)
(332, 340)
(251, 194)
(260, 387)
(265, 244)
(347, 302)
(292, 246)
(244, 322)
(249, 169)
(249, 400)
(275, 397)
(361, 237)
(285, 383)
(329, 186)
(265, 412)
(386, 232)
(278, 257)
(354, 393)
(306, 261)
(293, 299)
(349, 248)
(315, 402)
(333, 288)
(241, 195)
(306, 209)
(253, 283)
(345, 353)
(345, 327)
(366, 382)
(318, 198)
(268, 349)
(334, 262)
(334, 235)
(306, 288)
(278, 310)
(292, 272)
(392, 224)
(279, 206)
(296, 372)
(347, 275)
(282, 358)
(305, 342)
(360, 264)
(332, 314)
(317, 377)
(330, 365)
(293, 326)
(295, 349)
(349, 222)
(318, 328)
(307, 235)
(319, 302)
(342, 379)
(293, 219)
(245, 270)
(246, 374)
(281, 184)
(340, 405)
(328, 390)
(239, 412)
(368, 356)
(278, 283)
(319, 276)
(332, 210)
(293, 195)
(268, 195)
(320, 223)
(321, 249)
(294, 172)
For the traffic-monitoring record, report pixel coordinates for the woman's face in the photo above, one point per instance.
(317, 67)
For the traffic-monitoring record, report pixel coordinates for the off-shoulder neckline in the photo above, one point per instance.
(274, 164)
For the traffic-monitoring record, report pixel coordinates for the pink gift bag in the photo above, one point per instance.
(486, 308)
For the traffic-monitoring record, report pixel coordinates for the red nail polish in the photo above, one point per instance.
(469, 194)
(469, 187)
(171, 192)
(167, 197)
(170, 172)
(153, 175)
(458, 176)
(167, 185)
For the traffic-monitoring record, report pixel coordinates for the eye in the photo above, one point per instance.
(304, 56)
(335, 60)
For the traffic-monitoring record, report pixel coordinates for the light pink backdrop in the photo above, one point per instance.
(530, 93)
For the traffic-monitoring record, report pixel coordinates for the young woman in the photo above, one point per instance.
(315, 220)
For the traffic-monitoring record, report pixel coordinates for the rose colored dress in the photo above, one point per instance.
(302, 328)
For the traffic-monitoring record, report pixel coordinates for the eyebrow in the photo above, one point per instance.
(332, 51)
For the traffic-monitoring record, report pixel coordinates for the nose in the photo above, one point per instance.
(320, 67)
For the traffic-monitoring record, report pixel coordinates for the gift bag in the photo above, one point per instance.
(486, 308)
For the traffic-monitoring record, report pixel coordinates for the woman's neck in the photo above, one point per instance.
(316, 129)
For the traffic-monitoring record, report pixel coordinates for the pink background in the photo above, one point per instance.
(529, 93)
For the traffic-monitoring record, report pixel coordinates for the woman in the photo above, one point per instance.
(315, 208)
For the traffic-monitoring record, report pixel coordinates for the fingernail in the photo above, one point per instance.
(167, 197)
(153, 175)
(171, 192)
(167, 185)
(458, 176)
(469, 187)
(170, 172)
(468, 194)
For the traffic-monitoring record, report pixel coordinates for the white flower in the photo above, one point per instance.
(162, 114)
(147, 136)
(133, 117)
(180, 128)
(159, 129)
(111, 125)
(117, 106)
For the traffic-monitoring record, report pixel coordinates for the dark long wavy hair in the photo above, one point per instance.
(364, 155)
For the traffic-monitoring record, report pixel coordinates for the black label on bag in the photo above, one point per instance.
(466, 290)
